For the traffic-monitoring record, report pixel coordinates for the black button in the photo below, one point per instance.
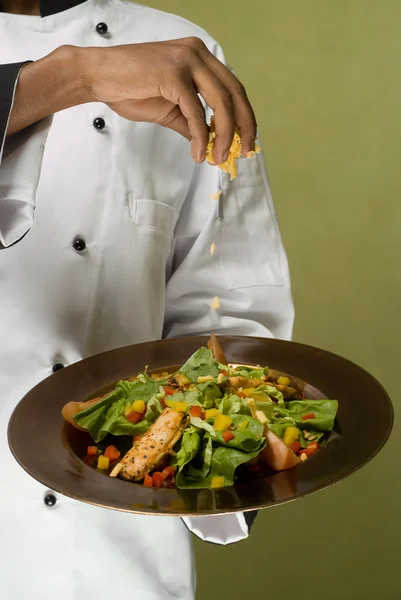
(57, 367)
(101, 28)
(99, 123)
(79, 244)
(50, 500)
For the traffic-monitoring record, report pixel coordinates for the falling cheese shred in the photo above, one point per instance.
(212, 249)
(216, 303)
(230, 166)
(216, 196)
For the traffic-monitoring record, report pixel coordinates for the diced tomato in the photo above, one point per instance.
(224, 372)
(137, 437)
(92, 451)
(203, 416)
(134, 417)
(313, 445)
(295, 446)
(168, 472)
(195, 411)
(241, 395)
(308, 451)
(227, 435)
(148, 481)
(168, 390)
(163, 403)
(158, 479)
(308, 416)
(112, 453)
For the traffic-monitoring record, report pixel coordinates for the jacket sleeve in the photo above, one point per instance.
(20, 163)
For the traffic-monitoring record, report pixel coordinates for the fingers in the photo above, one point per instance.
(244, 115)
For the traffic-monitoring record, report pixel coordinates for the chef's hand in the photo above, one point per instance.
(155, 82)
(159, 82)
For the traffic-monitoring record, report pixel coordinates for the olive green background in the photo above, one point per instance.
(325, 79)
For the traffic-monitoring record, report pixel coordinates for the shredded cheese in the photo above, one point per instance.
(116, 470)
(212, 249)
(230, 166)
(216, 303)
(216, 196)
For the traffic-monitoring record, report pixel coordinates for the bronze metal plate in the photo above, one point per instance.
(48, 449)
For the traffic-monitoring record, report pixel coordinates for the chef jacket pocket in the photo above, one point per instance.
(154, 216)
(250, 245)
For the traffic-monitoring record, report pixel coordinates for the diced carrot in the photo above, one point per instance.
(168, 472)
(308, 416)
(295, 446)
(92, 451)
(148, 481)
(227, 435)
(134, 416)
(112, 452)
(195, 411)
(158, 479)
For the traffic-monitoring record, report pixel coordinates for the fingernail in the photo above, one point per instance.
(225, 156)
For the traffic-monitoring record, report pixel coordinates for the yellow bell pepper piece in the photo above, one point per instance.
(211, 412)
(259, 396)
(170, 403)
(243, 425)
(181, 406)
(248, 391)
(139, 406)
(290, 435)
(283, 381)
(217, 482)
(103, 462)
(222, 422)
(128, 409)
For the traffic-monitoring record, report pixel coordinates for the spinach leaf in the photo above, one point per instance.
(249, 439)
(190, 443)
(201, 364)
(324, 410)
(223, 464)
(200, 465)
(210, 392)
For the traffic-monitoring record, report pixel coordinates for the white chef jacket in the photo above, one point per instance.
(119, 225)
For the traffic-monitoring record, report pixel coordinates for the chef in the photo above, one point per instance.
(107, 220)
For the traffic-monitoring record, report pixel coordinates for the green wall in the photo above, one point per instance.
(325, 79)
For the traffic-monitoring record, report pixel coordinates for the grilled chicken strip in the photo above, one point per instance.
(151, 449)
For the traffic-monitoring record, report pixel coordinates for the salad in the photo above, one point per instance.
(207, 425)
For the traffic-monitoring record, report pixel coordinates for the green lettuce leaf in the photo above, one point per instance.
(190, 397)
(198, 422)
(235, 405)
(201, 364)
(210, 393)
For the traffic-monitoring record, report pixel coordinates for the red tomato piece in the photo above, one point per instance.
(308, 451)
(134, 417)
(195, 411)
(313, 445)
(92, 451)
(308, 416)
(224, 372)
(158, 479)
(148, 481)
(163, 403)
(112, 453)
(168, 390)
(295, 446)
(168, 472)
(227, 435)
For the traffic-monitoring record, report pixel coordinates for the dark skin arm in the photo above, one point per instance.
(154, 82)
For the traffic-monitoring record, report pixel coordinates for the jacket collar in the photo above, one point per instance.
(51, 7)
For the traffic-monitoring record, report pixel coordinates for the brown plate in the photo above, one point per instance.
(363, 425)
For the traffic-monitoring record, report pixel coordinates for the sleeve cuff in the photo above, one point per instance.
(9, 74)
(221, 529)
